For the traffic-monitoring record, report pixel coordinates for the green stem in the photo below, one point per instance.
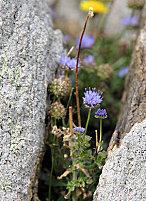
(74, 178)
(88, 118)
(51, 172)
(100, 139)
(52, 166)
(66, 73)
(70, 96)
(63, 122)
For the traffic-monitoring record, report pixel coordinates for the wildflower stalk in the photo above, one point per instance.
(51, 172)
(70, 96)
(100, 138)
(63, 122)
(52, 167)
(71, 119)
(74, 174)
(96, 140)
(77, 64)
(88, 118)
(74, 178)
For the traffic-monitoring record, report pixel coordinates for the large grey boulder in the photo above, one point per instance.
(124, 174)
(29, 52)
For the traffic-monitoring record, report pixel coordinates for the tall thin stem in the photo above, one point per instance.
(87, 122)
(74, 177)
(51, 172)
(70, 96)
(71, 119)
(74, 174)
(77, 64)
(96, 141)
(52, 165)
(100, 139)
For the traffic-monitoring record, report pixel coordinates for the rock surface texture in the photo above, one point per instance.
(134, 97)
(29, 52)
(124, 174)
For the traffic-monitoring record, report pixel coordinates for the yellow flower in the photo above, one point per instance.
(97, 6)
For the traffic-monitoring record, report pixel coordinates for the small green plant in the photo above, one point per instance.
(76, 141)
(69, 143)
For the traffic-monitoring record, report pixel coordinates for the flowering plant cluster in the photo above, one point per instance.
(78, 97)
(69, 135)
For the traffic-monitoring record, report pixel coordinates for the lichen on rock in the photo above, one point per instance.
(29, 53)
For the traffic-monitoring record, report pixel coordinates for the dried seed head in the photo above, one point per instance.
(136, 4)
(57, 110)
(60, 87)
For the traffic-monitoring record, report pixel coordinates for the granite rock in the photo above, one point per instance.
(123, 177)
(29, 52)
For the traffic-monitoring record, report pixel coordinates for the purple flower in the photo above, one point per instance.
(92, 97)
(67, 61)
(79, 130)
(89, 59)
(101, 113)
(130, 21)
(64, 60)
(87, 41)
(123, 71)
(72, 64)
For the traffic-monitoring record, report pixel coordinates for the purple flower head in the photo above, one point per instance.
(87, 41)
(101, 113)
(67, 61)
(130, 21)
(92, 97)
(123, 71)
(79, 130)
(72, 64)
(89, 59)
(64, 60)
